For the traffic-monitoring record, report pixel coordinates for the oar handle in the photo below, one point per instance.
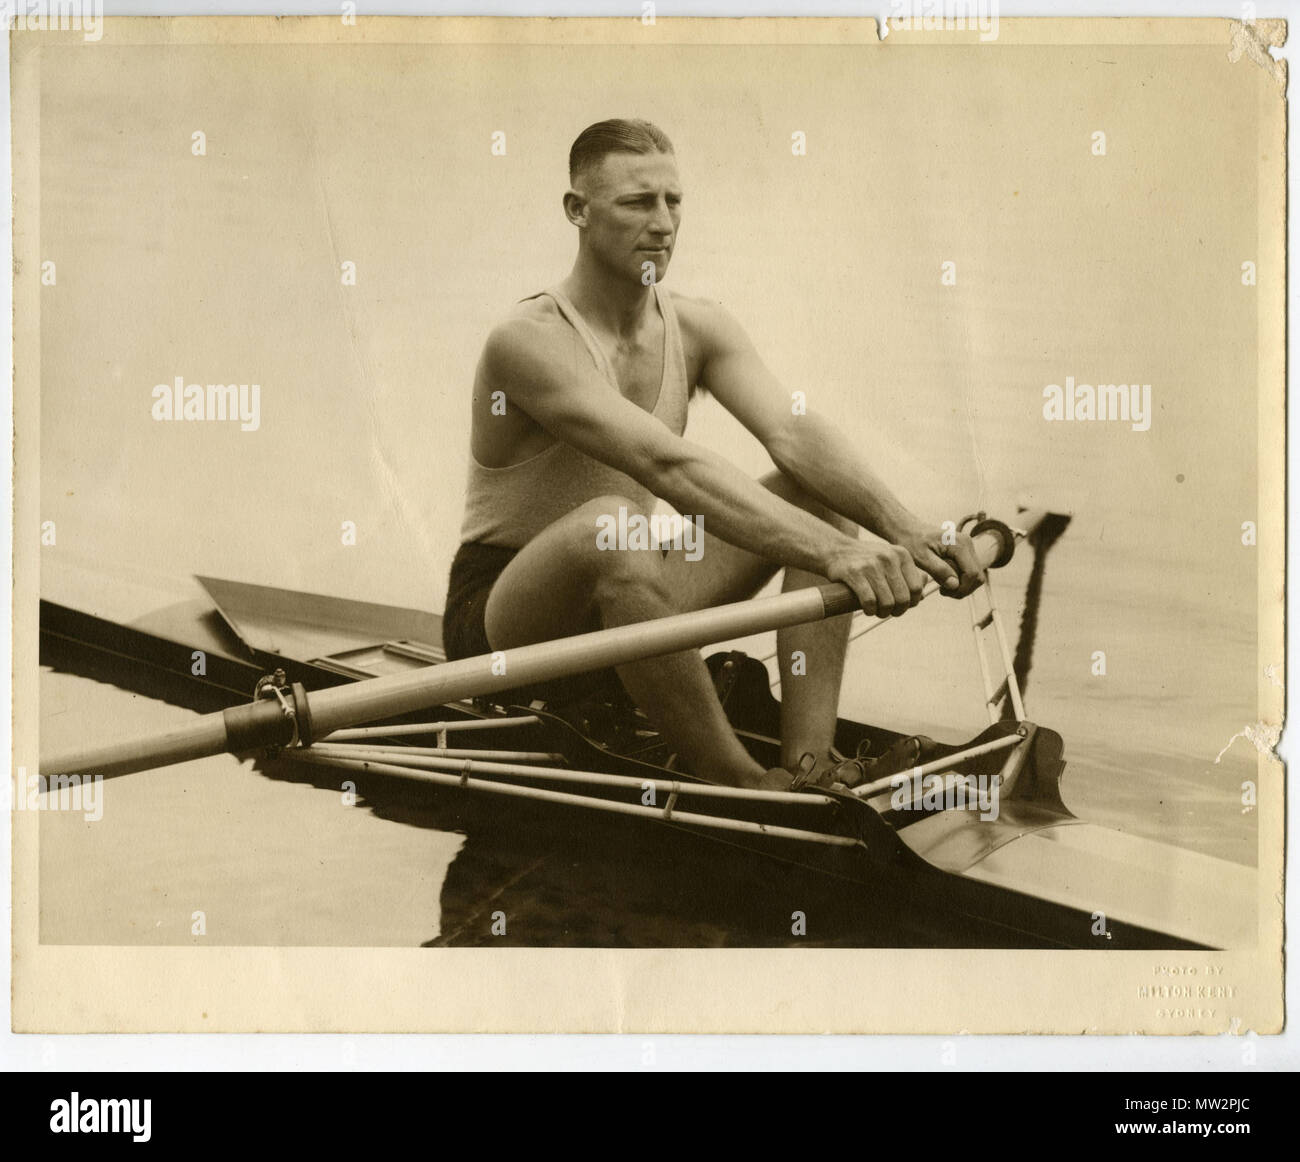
(994, 543)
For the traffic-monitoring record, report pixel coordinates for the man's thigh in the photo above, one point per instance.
(724, 572)
(549, 589)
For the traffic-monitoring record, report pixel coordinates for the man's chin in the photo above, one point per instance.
(660, 266)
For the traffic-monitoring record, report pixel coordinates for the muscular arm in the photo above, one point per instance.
(550, 376)
(812, 451)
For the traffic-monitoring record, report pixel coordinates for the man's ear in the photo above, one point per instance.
(575, 207)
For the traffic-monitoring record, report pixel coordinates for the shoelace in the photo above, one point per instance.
(857, 764)
(855, 768)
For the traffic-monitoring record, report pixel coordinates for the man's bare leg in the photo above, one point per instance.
(810, 699)
(560, 584)
(676, 693)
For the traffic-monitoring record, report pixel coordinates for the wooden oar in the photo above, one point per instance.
(277, 721)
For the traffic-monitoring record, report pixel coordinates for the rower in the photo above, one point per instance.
(579, 409)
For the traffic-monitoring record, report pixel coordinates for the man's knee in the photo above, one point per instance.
(583, 530)
(632, 575)
(613, 569)
(620, 573)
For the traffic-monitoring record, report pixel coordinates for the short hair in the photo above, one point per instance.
(618, 135)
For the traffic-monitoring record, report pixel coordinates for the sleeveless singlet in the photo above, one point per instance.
(509, 506)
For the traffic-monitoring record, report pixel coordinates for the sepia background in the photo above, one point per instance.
(226, 268)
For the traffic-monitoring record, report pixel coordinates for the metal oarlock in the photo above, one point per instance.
(292, 700)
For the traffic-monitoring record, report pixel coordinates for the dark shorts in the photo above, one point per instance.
(474, 571)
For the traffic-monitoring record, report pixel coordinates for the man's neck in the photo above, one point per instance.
(614, 305)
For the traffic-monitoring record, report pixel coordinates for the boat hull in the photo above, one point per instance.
(1034, 877)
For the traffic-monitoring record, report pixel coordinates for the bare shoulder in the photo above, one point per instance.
(707, 325)
(530, 340)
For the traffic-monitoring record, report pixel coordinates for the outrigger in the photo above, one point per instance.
(347, 686)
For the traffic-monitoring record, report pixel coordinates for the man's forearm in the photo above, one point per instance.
(744, 513)
(813, 453)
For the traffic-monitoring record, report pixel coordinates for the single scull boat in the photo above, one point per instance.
(977, 832)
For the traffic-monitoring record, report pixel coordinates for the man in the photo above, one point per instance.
(579, 407)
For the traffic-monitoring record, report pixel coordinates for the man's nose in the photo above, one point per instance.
(662, 221)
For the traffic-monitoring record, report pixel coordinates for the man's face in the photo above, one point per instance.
(634, 205)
